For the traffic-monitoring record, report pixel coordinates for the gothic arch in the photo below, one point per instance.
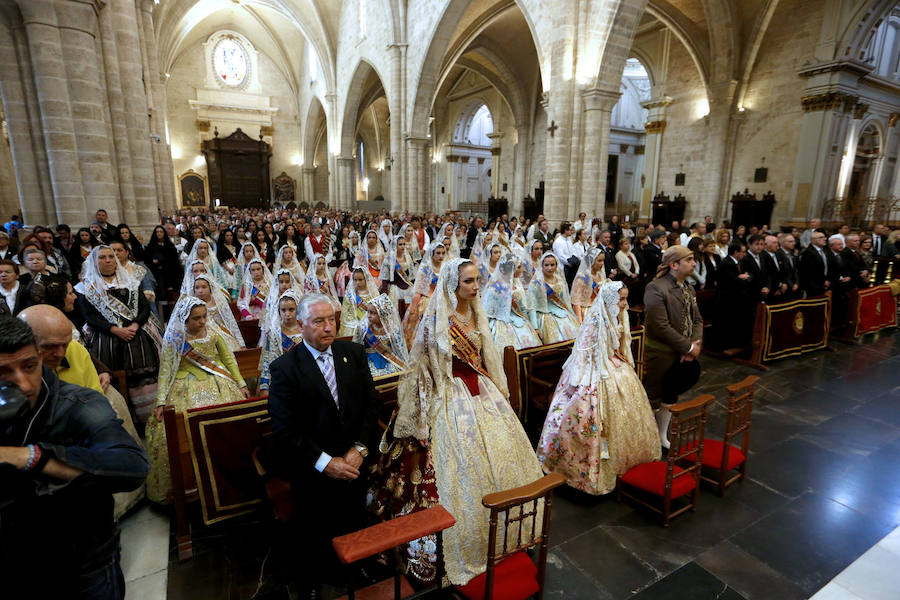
(444, 50)
(315, 125)
(353, 103)
(856, 35)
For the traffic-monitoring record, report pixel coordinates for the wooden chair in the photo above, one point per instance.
(511, 574)
(721, 455)
(278, 491)
(376, 539)
(663, 479)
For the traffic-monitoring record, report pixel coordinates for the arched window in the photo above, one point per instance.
(231, 62)
(482, 124)
(635, 88)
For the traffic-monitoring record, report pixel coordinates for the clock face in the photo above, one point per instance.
(231, 62)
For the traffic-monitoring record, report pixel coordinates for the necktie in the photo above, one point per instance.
(328, 372)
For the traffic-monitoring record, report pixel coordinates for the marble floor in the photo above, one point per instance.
(823, 488)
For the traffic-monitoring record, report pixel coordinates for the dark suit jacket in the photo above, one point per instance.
(545, 239)
(652, 260)
(712, 262)
(731, 290)
(9, 311)
(789, 268)
(759, 277)
(855, 266)
(306, 421)
(812, 272)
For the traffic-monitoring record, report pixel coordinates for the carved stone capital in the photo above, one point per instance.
(655, 126)
(837, 101)
(639, 149)
(893, 119)
(599, 99)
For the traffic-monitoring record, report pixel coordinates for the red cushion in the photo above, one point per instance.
(651, 477)
(514, 579)
(712, 455)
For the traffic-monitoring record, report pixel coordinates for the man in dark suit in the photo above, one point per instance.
(615, 231)
(542, 233)
(752, 264)
(653, 253)
(814, 275)
(879, 240)
(777, 284)
(859, 273)
(324, 417)
(736, 299)
(788, 266)
(841, 275)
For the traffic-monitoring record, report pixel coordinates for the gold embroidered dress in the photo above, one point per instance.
(192, 387)
(599, 423)
(454, 403)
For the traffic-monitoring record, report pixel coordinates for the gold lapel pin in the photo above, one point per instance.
(345, 359)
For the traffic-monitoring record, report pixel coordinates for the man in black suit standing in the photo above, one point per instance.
(879, 240)
(777, 284)
(752, 264)
(542, 234)
(787, 266)
(325, 419)
(736, 299)
(814, 272)
(653, 253)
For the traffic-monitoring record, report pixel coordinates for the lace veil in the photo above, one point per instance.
(385, 238)
(173, 341)
(270, 335)
(95, 289)
(295, 269)
(222, 307)
(428, 386)
(213, 267)
(537, 294)
(426, 269)
(582, 285)
(497, 295)
(247, 280)
(390, 322)
(311, 282)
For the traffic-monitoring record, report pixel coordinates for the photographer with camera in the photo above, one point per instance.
(63, 453)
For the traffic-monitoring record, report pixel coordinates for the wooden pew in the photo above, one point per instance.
(533, 373)
(182, 463)
(250, 332)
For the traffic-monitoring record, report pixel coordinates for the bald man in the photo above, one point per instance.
(72, 363)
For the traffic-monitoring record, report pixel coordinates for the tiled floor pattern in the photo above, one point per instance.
(823, 488)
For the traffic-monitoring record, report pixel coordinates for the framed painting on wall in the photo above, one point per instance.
(193, 189)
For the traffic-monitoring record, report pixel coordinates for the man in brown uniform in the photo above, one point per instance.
(674, 330)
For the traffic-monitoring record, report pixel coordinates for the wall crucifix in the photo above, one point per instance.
(552, 129)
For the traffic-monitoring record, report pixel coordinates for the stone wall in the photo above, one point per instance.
(185, 138)
(773, 112)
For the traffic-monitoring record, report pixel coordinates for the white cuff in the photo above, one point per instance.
(323, 461)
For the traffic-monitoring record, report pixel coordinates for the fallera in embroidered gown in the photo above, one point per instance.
(599, 423)
(454, 438)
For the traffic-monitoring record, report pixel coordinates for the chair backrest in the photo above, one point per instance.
(248, 361)
(686, 435)
(740, 405)
(526, 499)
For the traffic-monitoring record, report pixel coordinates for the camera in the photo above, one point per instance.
(13, 408)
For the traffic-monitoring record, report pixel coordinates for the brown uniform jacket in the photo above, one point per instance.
(663, 311)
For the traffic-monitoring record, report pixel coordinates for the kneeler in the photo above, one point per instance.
(376, 539)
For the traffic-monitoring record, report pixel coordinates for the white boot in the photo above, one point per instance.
(663, 416)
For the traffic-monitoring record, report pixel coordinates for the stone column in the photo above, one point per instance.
(332, 180)
(398, 199)
(23, 125)
(823, 136)
(307, 185)
(50, 78)
(346, 183)
(521, 167)
(496, 151)
(598, 105)
(142, 209)
(162, 154)
(9, 196)
(655, 127)
(417, 163)
(720, 139)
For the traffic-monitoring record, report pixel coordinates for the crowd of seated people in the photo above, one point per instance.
(167, 311)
